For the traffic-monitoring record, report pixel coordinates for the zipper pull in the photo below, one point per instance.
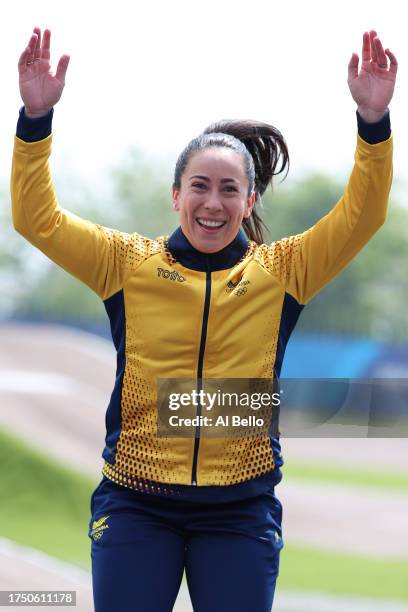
(194, 483)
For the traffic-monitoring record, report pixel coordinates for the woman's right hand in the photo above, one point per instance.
(40, 90)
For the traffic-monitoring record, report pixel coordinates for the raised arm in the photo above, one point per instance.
(308, 261)
(100, 257)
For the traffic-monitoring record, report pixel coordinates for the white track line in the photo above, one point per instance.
(39, 559)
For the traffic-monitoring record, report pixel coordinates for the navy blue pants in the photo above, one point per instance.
(142, 543)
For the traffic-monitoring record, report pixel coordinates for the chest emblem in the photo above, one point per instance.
(239, 288)
(171, 275)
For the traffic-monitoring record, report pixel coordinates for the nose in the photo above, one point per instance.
(213, 202)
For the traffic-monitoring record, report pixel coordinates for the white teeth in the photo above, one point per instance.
(211, 223)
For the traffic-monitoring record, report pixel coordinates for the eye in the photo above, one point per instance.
(202, 185)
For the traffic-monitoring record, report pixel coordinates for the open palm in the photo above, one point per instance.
(39, 88)
(372, 88)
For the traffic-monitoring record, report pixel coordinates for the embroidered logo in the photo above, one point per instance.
(239, 288)
(241, 291)
(231, 285)
(170, 274)
(98, 528)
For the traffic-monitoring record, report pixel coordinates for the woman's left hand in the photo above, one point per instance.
(373, 87)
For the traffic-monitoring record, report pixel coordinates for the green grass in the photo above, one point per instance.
(42, 504)
(306, 569)
(46, 506)
(345, 476)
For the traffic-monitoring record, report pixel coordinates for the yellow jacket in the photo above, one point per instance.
(178, 313)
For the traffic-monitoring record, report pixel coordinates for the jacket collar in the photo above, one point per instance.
(189, 257)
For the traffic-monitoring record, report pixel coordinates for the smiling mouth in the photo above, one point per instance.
(210, 225)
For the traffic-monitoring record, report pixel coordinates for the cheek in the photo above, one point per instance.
(189, 206)
(237, 212)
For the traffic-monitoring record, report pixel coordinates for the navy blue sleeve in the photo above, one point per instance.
(31, 130)
(374, 132)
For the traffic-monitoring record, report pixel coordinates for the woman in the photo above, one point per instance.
(210, 301)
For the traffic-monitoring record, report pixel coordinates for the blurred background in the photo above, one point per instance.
(143, 80)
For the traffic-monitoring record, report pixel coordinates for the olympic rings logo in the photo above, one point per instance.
(241, 291)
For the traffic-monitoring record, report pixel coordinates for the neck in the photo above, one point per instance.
(190, 257)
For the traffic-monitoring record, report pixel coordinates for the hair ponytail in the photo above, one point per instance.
(262, 147)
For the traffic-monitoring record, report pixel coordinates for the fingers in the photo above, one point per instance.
(353, 67)
(46, 44)
(393, 61)
(62, 68)
(27, 55)
(373, 50)
(373, 47)
(32, 43)
(366, 53)
(37, 48)
(379, 56)
(23, 59)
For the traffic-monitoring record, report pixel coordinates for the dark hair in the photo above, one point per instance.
(261, 146)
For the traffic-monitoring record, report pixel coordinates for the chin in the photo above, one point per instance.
(208, 244)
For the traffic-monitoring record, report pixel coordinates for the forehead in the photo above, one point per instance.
(216, 162)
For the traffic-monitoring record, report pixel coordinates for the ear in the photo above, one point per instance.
(250, 203)
(175, 198)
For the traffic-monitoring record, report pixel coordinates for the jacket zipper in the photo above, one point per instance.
(200, 365)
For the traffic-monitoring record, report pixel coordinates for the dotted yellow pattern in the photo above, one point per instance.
(140, 451)
(131, 481)
(170, 258)
(279, 257)
(130, 250)
(241, 459)
(123, 254)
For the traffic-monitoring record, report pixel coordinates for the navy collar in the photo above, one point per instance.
(189, 257)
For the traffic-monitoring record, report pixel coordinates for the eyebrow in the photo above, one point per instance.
(205, 178)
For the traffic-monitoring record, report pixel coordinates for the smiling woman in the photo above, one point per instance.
(212, 301)
(211, 211)
(220, 177)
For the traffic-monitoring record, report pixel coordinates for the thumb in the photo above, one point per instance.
(353, 67)
(62, 68)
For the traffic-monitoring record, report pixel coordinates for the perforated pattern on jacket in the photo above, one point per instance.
(279, 258)
(130, 250)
